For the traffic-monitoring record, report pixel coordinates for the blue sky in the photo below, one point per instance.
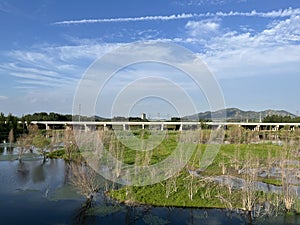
(251, 46)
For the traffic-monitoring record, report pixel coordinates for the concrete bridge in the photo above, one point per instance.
(161, 125)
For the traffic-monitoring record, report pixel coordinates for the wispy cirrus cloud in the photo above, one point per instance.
(51, 66)
(272, 14)
(2, 97)
(47, 75)
(6, 7)
(206, 2)
(128, 19)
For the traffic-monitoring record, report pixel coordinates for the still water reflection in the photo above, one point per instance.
(33, 192)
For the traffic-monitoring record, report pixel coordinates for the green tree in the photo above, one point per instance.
(42, 144)
(24, 145)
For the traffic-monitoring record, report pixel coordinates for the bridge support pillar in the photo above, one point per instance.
(257, 128)
(162, 127)
(124, 126)
(86, 128)
(143, 126)
(47, 130)
(180, 127)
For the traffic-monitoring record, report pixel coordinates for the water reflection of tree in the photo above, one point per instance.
(154, 220)
(67, 172)
(82, 218)
(38, 174)
(22, 172)
(133, 214)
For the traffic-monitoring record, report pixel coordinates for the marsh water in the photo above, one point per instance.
(33, 192)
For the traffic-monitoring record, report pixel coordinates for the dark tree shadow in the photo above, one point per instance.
(82, 216)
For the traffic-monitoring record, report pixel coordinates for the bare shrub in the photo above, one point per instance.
(84, 180)
(249, 194)
(70, 145)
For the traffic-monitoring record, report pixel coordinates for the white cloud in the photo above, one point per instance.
(128, 19)
(46, 76)
(272, 14)
(212, 2)
(274, 51)
(50, 66)
(202, 28)
(228, 53)
(284, 31)
(278, 33)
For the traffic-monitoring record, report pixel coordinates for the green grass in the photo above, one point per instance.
(61, 154)
(205, 196)
(56, 154)
(275, 182)
(132, 156)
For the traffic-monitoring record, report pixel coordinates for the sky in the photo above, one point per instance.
(250, 47)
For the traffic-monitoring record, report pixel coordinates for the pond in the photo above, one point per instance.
(34, 192)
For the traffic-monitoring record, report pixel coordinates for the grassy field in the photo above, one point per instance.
(189, 190)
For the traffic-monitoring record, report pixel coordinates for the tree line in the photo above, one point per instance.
(12, 127)
(281, 119)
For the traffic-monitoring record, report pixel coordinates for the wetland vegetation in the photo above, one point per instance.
(255, 172)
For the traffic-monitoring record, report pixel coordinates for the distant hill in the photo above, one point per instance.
(235, 114)
(99, 118)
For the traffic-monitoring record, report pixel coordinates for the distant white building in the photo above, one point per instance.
(143, 116)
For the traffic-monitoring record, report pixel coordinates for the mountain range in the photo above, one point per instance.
(235, 114)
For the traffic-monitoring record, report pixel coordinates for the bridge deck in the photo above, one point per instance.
(160, 122)
(163, 124)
